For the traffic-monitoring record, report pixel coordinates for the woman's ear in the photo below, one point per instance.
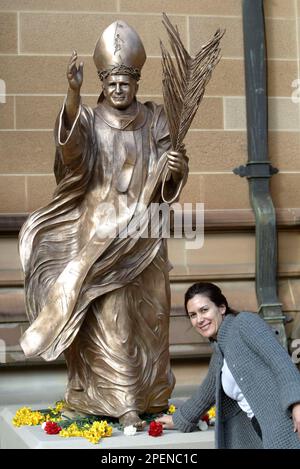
(222, 309)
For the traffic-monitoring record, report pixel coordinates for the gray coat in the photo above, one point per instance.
(267, 377)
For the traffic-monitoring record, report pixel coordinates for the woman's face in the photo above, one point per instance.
(205, 315)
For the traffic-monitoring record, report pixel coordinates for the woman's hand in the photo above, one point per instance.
(166, 421)
(296, 417)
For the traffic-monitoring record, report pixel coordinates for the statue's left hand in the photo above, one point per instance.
(177, 165)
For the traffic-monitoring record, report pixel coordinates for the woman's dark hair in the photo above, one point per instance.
(212, 291)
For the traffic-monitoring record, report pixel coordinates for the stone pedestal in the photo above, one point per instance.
(35, 437)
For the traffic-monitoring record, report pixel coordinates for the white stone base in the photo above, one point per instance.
(35, 437)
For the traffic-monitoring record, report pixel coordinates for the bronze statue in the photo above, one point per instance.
(96, 282)
(103, 299)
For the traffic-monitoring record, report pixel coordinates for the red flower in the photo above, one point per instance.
(155, 428)
(205, 418)
(52, 428)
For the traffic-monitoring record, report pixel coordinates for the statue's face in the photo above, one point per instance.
(119, 90)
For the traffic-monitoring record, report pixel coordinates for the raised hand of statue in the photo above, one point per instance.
(75, 79)
(177, 164)
(74, 73)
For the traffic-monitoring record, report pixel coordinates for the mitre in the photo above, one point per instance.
(119, 48)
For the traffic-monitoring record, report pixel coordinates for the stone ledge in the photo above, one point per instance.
(35, 438)
(23, 388)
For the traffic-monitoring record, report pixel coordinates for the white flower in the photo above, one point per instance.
(130, 430)
(43, 425)
(202, 425)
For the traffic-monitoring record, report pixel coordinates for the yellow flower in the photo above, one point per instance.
(92, 433)
(212, 412)
(59, 406)
(71, 430)
(25, 416)
(97, 431)
(172, 409)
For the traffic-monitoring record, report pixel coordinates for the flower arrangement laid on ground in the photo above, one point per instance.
(26, 416)
(54, 422)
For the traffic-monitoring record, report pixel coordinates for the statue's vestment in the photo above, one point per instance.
(101, 298)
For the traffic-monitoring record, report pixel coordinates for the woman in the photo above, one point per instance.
(251, 378)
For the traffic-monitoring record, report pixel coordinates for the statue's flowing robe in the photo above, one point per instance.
(102, 298)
